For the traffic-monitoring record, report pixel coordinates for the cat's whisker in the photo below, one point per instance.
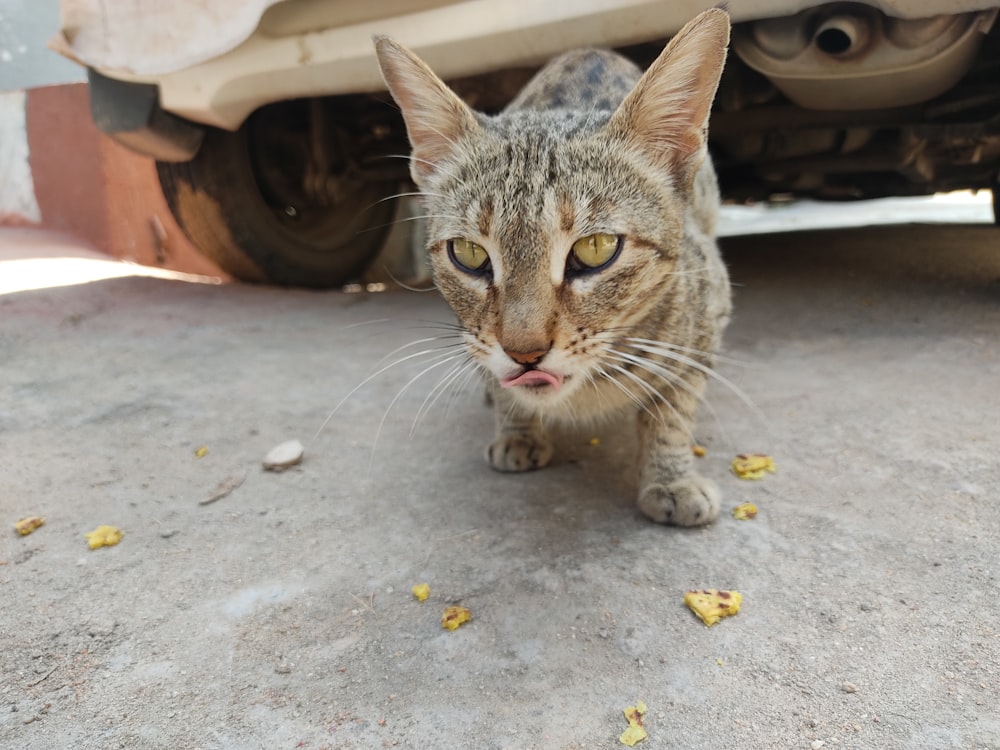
(443, 325)
(373, 322)
(673, 380)
(424, 216)
(418, 342)
(454, 330)
(407, 287)
(412, 157)
(681, 356)
(461, 384)
(407, 194)
(640, 404)
(592, 382)
(699, 271)
(502, 422)
(440, 387)
(408, 218)
(644, 386)
(694, 351)
(458, 390)
(359, 386)
(412, 194)
(683, 359)
(655, 396)
(442, 360)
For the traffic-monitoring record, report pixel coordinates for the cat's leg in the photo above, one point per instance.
(670, 491)
(520, 443)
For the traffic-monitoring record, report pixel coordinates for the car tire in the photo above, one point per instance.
(222, 200)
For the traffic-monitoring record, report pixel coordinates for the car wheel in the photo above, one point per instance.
(242, 201)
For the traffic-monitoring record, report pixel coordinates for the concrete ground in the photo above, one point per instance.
(280, 616)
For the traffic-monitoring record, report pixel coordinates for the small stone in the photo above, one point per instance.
(817, 744)
(282, 456)
(849, 687)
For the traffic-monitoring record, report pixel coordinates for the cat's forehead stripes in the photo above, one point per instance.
(484, 218)
(567, 213)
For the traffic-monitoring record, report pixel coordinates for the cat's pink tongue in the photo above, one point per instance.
(533, 377)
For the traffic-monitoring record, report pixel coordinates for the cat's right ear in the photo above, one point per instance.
(436, 119)
(666, 114)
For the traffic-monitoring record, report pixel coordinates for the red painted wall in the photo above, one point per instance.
(89, 186)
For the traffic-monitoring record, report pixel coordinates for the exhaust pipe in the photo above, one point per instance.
(851, 56)
(843, 36)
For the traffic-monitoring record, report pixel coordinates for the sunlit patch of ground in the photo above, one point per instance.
(34, 259)
(945, 208)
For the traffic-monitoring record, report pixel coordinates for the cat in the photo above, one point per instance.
(573, 236)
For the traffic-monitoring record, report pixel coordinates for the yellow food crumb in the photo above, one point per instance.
(711, 605)
(26, 525)
(753, 465)
(745, 511)
(595, 441)
(104, 536)
(201, 452)
(421, 591)
(699, 450)
(636, 732)
(455, 616)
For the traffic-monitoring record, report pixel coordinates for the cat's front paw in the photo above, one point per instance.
(688, 501)
(519, 452)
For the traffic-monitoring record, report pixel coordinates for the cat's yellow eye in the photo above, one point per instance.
(468, 255)
(595, 251)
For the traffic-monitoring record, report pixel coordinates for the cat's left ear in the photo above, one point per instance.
(666, 114)
(436, 119)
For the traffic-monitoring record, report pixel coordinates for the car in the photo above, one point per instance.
(279, 151)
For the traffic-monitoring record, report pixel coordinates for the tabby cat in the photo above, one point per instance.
(573, 236)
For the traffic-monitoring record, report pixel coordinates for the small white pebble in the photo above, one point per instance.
(817, 744)
(849, 687)
(282, 456)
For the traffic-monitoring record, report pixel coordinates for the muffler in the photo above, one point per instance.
(847, 56)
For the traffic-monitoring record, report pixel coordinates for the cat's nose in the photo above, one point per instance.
(527, 358)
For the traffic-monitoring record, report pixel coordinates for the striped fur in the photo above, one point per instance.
(591, 145)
